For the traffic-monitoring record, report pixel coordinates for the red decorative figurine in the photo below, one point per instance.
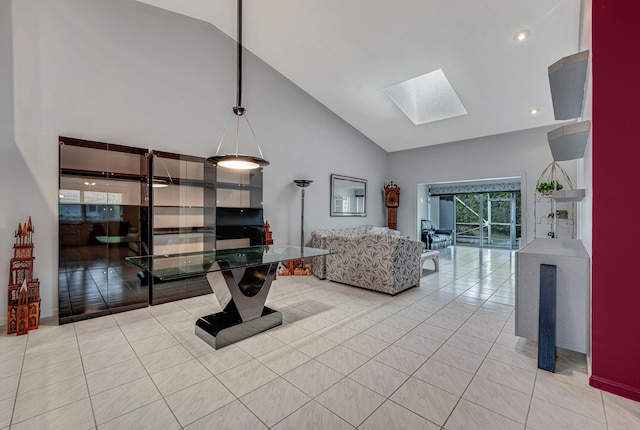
(23, 313)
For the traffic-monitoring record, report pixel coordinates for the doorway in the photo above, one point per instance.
(481, 213)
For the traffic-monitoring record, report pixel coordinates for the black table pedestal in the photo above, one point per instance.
(242, 292)
(220, 329)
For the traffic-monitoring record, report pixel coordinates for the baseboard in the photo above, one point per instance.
(614, 387)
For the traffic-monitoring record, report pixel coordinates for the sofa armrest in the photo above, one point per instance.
(406, 270)
(319, 264)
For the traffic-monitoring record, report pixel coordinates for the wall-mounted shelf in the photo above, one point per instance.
(567, 78)
(569, 195)
(569, 142)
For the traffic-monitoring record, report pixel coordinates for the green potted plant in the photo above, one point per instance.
(546, 188)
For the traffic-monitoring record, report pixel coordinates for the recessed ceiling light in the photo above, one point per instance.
(521, 35)
(61, 196)
(534, 111)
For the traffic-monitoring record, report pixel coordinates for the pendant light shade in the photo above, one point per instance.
(239, 161)
(236, 160)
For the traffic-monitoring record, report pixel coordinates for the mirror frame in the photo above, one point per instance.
(335, 178)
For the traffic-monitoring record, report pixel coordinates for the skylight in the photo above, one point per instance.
(427, 98)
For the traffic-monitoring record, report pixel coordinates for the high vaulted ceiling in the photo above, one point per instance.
(345, 53)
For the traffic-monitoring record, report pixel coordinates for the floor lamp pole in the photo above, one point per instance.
(302, 183)
(302, 222)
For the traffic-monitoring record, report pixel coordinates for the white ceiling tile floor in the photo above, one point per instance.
(432, 357)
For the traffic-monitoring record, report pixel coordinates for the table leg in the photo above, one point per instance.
(242, 293)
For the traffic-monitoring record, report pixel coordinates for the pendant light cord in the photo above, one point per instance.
(239, 71)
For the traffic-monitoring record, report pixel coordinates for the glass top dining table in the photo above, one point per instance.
(175, 266)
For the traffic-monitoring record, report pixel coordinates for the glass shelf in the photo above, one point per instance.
(183, 230)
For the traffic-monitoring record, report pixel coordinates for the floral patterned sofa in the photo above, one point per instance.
(370, 257)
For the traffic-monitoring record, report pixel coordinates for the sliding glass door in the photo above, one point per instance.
(503, 230)
(488, 219)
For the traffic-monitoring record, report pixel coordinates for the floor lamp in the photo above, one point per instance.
(302, 183)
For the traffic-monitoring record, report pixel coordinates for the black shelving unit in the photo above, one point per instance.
(182, 204)
(103, 218)
(118, 201)
(239, 218)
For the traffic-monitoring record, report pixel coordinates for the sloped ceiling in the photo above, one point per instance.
(345, 53)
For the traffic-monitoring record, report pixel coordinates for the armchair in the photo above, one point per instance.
(433, 237)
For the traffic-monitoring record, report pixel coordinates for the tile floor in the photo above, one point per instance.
(439, 356)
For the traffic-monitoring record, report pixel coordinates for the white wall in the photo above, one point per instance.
(6, 75)
(15, 206)
(423, 204)
(522, 154)
(585, 166)
(434, 210)
(122, 72)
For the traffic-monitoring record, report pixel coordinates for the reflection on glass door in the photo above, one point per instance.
(182, 217)
(103, 218)
(488, 219)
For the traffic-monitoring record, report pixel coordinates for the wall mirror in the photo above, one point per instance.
(348, 196)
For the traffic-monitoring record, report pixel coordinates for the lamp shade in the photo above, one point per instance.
(302, 182)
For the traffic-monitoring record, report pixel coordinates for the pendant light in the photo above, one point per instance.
(236, 160)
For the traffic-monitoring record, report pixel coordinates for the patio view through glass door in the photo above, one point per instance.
(488, 219)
